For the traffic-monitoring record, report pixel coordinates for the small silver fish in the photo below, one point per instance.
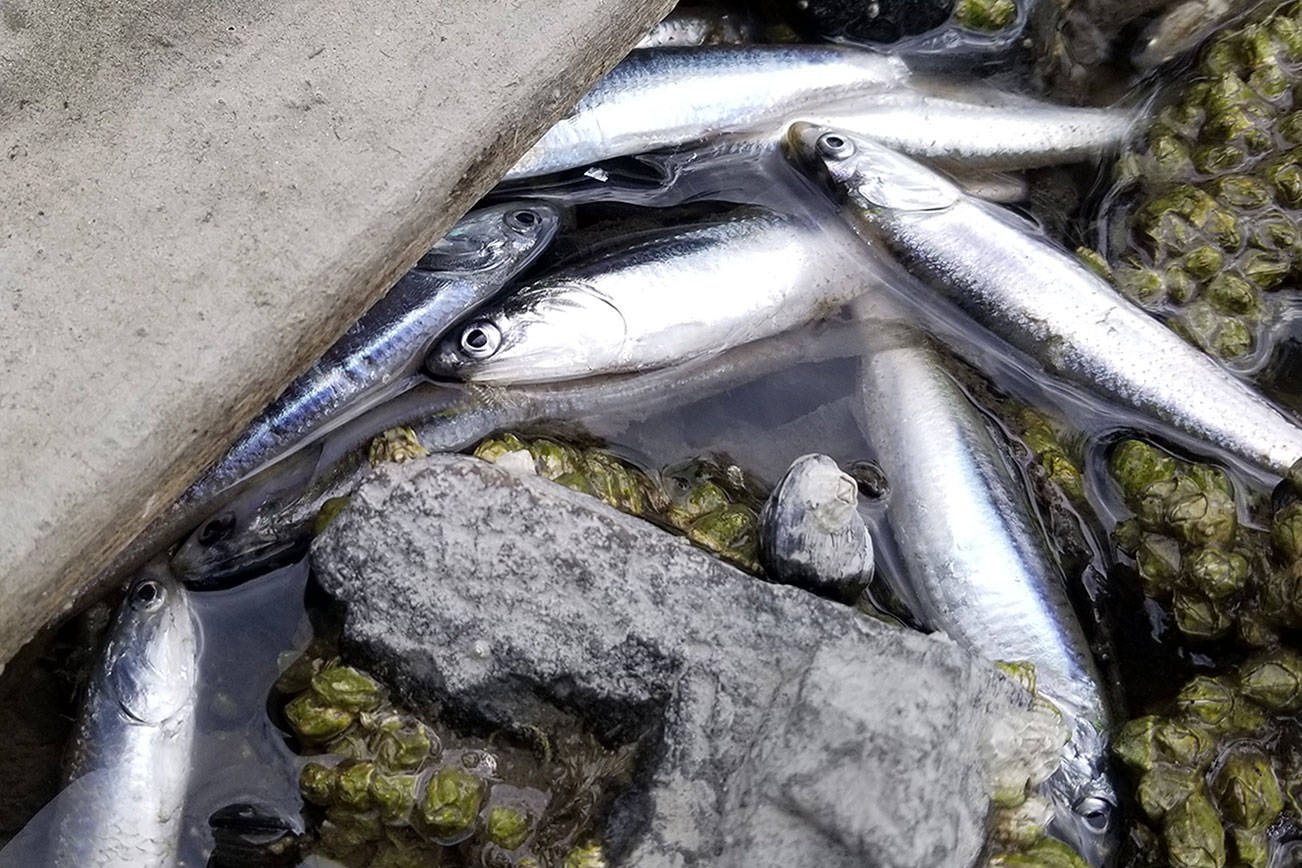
(972, 560)
(660, 97)
(688, 26)
(670, 296)
(129, 767)
(811, 534)
(476, 258)
(1042, 302)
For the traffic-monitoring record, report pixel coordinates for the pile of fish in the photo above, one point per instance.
(775, 204)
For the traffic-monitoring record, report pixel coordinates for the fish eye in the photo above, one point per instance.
(1096, 813)
(522, 218)
(835, 146)
(480, 339)
(217, 529)
(147, 596)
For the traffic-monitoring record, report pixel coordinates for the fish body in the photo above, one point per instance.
(660, 97)
(669, 296)
(131, 748)
(686, 27)
(973, 561)
(1042, 302)
(811, 533)
(966, 128)
(470, 264)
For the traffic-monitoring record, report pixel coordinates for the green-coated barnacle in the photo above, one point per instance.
(345, 832)
(1290, 127)
(730, 531)
(702, 498)
(1226, 92)
(1228, 293)
(1223, 57)
(1136, 742)
(1287, 35)
(313, 720)
(1163, 787)
(508, 827)
(987, 16)
(493, 448)
(317, 783)
(1135, 465)
(1266, 270)
(1158, 561)
(1224, 229)
(345, 687)
(1286, 530)
(353, 784)
(1232, 339)
(589, 855)
(1210, 701)
(1189, 744)
(1193, 833)
(1273, 680)
(1270, 81)
(1248, 848)
(451, 803)
(1274, 232)
(1143, 285)
(1211, 159)
(1286, 179)
(1128, 535)
(1204, 262)
(1169, 156)
(405, 746)
(1179, 285)
(1218, 574)
(1202, 518)
(1254, 631)
(349, 744)
(1095, 261)
(396, 445)
(1240, 191)
(1247, 790)
(1198, 616)
(553, 459)
(394, 795)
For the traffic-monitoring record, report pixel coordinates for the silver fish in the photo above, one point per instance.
(660, 97)
(688, 26)
(129, 767)
(811, 533)
(973, 561)
(1042, 302)
(965, 127)
(670, 296)
(1184, 27)
(476, 258)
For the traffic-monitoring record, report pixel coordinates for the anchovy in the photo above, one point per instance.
(685, 27)
(128, 770)
(811, 533)
(660, 97)
(966, 127)
(471, 263)
(1042, 302)
(670, 296)
(273, 520)
(973, 561)
(1182, 28)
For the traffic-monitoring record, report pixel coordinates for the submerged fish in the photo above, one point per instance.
(668, 96)
(1043, 302)
(471, 263)
(811, 534)
(973, 562)
(669, 296)
(129, 765)
(687, 26)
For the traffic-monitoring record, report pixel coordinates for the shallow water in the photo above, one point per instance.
(761, 422)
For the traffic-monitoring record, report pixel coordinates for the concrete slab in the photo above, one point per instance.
(199, 197)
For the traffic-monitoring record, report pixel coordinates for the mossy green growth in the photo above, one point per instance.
(508, 828)
(985, 16)
(1045, 852)
(1212, 188)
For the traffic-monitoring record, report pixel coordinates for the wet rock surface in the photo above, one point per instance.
(776, 727)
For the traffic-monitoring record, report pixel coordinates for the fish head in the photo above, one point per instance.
(868, 174)
(1085, 812)
(151, 659)
(546, 331)
(507, 236)
(231, 546)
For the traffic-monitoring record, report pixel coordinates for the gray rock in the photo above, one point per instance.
(783, 729)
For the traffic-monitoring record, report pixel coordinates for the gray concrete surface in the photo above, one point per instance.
(199, 197)
(775, 727)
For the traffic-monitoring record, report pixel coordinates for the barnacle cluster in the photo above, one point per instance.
(1050, 455)
(1188, 544)
(712, 502)
(1208, 223)
(387, 788)
(1212, 771)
